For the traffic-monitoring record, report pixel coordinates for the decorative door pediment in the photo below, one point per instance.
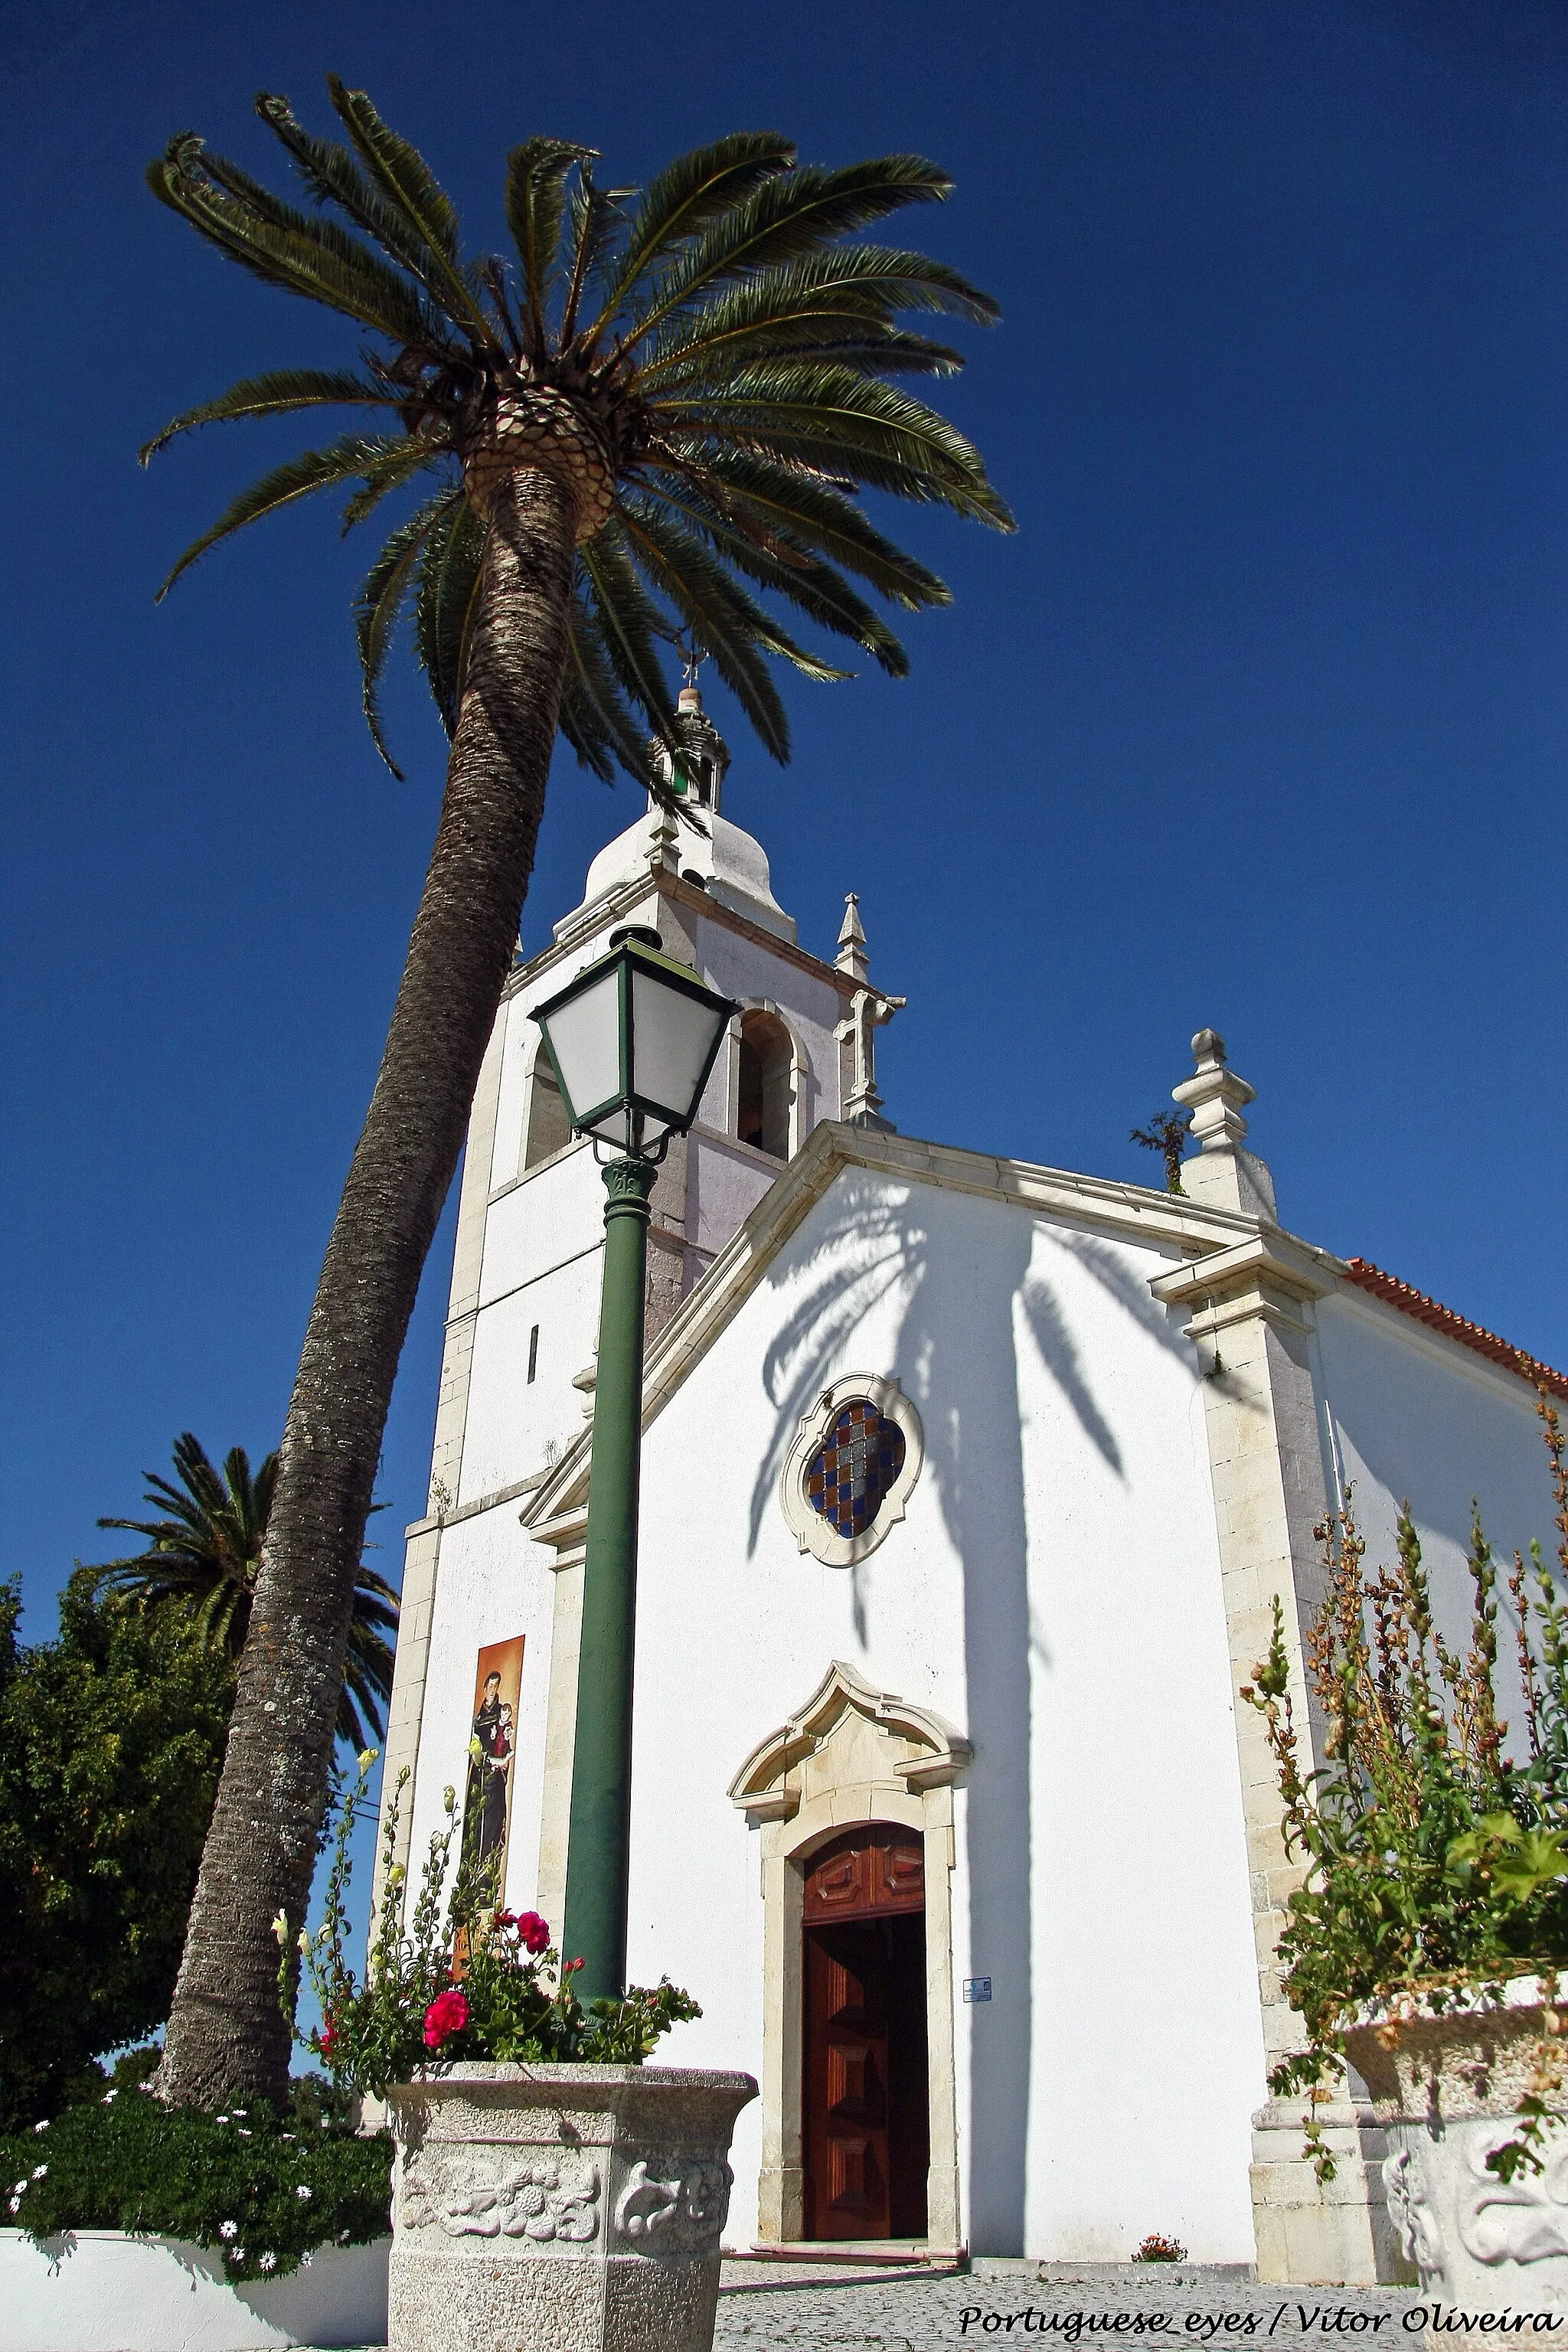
(847, 1732)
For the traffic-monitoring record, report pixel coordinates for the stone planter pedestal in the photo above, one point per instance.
(1446, 2087)
(566, 2209)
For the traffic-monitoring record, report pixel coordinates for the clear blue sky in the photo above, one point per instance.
(1258, 721)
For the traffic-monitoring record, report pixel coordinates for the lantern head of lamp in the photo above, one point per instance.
(632, 1040)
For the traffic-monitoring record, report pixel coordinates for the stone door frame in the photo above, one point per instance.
(852, 1756)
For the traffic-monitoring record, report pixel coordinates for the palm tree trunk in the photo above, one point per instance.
(227, 2034)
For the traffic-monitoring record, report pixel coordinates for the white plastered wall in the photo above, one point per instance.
(1417, 1418)
(495, 1584)
(1053, 1592)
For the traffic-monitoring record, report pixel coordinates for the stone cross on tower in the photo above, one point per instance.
(869, 1009)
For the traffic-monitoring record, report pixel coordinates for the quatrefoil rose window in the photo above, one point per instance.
(855, 1458)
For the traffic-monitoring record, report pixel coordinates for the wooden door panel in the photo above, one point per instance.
(877, 1869)
(865, 2084)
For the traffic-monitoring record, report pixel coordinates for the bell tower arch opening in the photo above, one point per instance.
(765, 1084)
(548, 1130)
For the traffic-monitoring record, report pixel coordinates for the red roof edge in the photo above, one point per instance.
(1437, 1318)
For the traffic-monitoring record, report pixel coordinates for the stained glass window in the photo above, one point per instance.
(860, 1456)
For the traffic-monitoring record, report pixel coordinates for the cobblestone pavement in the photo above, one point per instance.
(760, 2311)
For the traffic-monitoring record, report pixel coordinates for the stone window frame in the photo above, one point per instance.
(801, 1787)
(811, 1531)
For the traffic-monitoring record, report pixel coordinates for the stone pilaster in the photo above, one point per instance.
(1251, 1308)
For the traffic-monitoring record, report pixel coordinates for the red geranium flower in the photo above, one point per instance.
(533, 1933)
(448, 2014)
(327, 2039)
(506, 1919)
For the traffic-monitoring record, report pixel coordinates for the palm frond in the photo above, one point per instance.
(696, 189)
(788, 217)
(277, 394)
(628, 628)
(405, 177)
(296, 477)
(840, 409)
(450, 565)
(302, 254)
(594, 220)
(595, 719)
(535, 208)
(771, 504)
(382, 597)
(867, 282)
(824, 341)
(817, 589)
(729, 624)
(332, 176)
(389, 473)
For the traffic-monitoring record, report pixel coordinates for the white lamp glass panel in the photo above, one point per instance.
(672, 1036)
(586, 1037)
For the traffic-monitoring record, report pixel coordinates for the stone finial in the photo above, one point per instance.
(1214, 1095)
(852, 957)
(1223, 1173)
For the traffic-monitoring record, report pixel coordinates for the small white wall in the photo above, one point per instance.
(1417, 1418)
(1053, 1591)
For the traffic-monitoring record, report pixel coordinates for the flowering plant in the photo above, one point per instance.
(262, 2187)
(1436, 1850)
(462, 1979)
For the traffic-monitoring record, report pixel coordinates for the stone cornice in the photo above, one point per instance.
(1268, 1261)
(616, 904)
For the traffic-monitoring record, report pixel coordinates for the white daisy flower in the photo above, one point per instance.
(43, 2127)
(303, 2194)
(269, 2262)
(108, 2095)
(228, 2229)
(221, 2119)
(39, 2170)
(305, 2260)
(16, 2204)
(18, 2186)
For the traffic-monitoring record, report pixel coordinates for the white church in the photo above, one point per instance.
(945, 1807)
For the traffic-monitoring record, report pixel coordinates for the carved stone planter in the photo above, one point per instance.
(565, 2209)
(1448, 2087)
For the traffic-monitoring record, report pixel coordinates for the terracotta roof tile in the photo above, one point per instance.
(1437, 1318)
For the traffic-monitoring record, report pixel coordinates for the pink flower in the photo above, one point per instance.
(448, 2014)
(327, 2039)
(533, 1933)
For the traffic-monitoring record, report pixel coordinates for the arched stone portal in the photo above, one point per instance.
(853, 1757)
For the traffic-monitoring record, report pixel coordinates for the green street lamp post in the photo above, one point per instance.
(632, 1040)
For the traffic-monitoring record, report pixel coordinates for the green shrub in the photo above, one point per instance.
(1437, 1850)
(263, 2188)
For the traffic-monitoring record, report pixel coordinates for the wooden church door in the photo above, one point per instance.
(866, 2110)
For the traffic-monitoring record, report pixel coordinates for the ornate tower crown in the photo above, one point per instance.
(695, 769)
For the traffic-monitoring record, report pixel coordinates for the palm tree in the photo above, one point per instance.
(204, 1555)
(668, 394)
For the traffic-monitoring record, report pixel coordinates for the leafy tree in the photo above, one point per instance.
(669, 394)
(206, 1554)
(111, 1740)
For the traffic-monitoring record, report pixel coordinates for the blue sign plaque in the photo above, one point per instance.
(976, 1988)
